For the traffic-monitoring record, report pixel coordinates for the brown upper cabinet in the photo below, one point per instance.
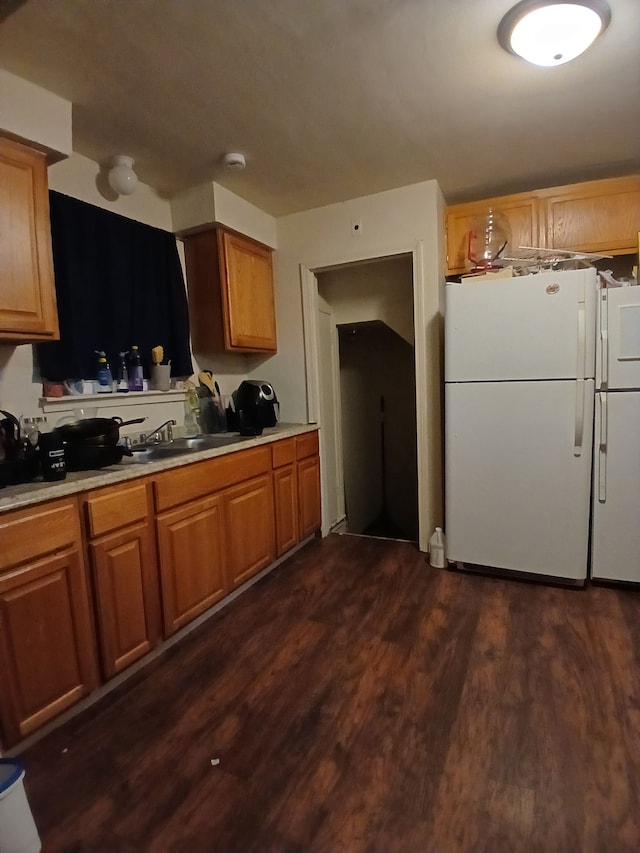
(230, 284)
(597, 216)
(28, 310)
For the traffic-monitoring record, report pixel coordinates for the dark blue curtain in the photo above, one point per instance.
(118, 283)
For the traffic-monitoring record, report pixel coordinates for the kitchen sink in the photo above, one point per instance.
(182, 446)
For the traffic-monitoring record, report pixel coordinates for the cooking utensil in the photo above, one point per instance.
(9, 434)
(204, 377)
(96, 431)
(86, 457)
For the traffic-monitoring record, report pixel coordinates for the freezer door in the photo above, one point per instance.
(517, 487)
(615, 535)
(618, 346)
(530, 327)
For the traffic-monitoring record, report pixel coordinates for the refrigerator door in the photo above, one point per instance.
(518, 475)
(615, 535)
(530, 327)
(618, 347)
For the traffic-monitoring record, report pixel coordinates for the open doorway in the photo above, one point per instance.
(368, 309)
(377, 382)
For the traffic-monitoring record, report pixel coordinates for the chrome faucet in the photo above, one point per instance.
(163, 433)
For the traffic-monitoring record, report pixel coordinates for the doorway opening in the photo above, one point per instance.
(368, 396)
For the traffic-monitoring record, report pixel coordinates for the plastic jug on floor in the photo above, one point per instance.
(437, 556)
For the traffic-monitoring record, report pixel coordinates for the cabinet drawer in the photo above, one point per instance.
(191, 482)
(113, 508)
(30, 533)
(306, 445)
(283, 453)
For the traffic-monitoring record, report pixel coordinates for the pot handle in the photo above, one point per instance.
(14, 421)
(121, 423)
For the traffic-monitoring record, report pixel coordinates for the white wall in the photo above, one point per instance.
(373, 291)
(211, 203)
(35, 115)
(407, 219)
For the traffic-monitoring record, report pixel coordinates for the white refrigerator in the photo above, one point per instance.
(615, 535)
(519, 397)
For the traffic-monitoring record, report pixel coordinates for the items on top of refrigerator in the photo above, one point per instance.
(608, 279)
(531, 259)
(487, 238)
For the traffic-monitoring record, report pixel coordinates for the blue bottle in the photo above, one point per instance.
(105, 379)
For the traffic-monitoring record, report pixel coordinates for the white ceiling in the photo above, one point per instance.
(329, 99)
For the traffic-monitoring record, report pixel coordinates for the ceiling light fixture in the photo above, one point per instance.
(122, 179)
(234, 162)
(552, 32)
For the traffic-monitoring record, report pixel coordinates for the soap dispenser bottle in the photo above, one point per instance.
(123, 380)
(105, 379)
(135, 370)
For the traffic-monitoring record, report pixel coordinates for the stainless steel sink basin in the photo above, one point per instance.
(182, 446)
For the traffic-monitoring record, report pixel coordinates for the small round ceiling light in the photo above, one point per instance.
(234, 162)
(552, 32)
(122, 179)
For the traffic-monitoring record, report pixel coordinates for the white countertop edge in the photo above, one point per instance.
(28, 494)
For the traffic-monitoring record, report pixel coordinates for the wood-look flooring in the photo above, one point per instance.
(359, 701)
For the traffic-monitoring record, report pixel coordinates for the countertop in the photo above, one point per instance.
(27, 494)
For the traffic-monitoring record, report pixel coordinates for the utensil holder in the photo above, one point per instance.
(160, 377)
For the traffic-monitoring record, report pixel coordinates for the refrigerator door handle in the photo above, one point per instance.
(602, 450)
(579, 422)
(604, 340)
(582, 334)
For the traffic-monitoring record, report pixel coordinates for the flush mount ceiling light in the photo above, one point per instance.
(552, 32)
(234, 162)
(122, 179)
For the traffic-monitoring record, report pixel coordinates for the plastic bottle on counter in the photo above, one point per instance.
(437, 556)
(123, 379)
(135, 370)
(105, 379)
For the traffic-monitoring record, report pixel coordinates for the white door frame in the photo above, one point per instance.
(334, 425)
(309, 291)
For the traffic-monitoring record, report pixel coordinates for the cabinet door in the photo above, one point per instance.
(27, 294)
(191, 551)
(250, 523)
(597, 216)
(125, 579)
(309, 512)
(521, 211)
(247, 292)
(47, 655)
(285, 494)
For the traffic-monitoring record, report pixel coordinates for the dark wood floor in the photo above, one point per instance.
(361, 702)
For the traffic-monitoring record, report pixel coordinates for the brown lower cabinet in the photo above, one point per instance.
(124, 571)
(285, 496)
(249, 520)
(308, 496)
(103, 576)
(308, 475)
(296, 489)
(192, 551)
(47, 648)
